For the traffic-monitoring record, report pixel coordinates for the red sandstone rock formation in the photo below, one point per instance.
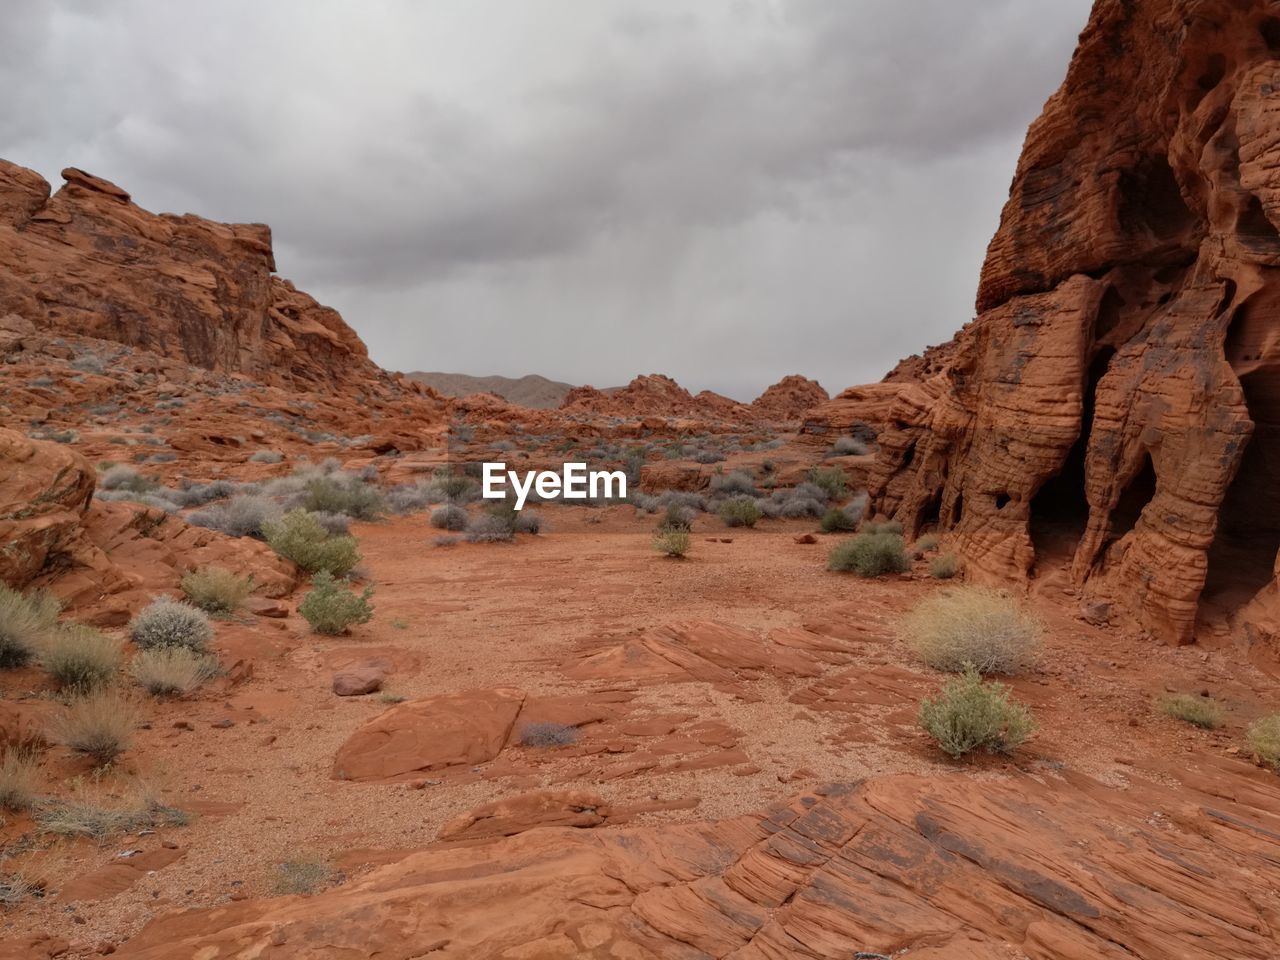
(1118, 397)
(89, 261)
(789, 398)
(653, 395)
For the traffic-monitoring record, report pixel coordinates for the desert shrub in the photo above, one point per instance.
(216, 590)
(89, 363)
(944, 566)
(870, 555)
(740, 511)
(198, 494)
(488, 528)
(299, 537)
(165, 457)
(449, 517)
(355, 498)
(883, 526)
(454, 487)
(446, 541)
(528, 521)
(836, 520)
(677, 517)
(797, 508)
(80, 659)
(303, 877)
(410, 497)
(25, 622)
(85, 818)
(99, 725)
(121, 477)
(266, 456)
(848, 447)
(972, 626)
(547, 734)
(1197, 711)
(246, 515)
(970, 713)
(332, 608)
(734, 482)
(18, 768)
(830, 479)
(172, 671)
(335, 524)
(171, 623)
(672, 541)
(708, 456)
(1263, 739)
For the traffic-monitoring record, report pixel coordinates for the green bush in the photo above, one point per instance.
(671, 541)
(971, 713)
(836, 520)
(170, 623)
(972, 627)
(883, 526)
(944, 566)
(1197, 711)
(25, 623)
(299, 537)
(354, 498)
(740, 511)
(331, 608)
(216, 590)
(830, 479)
(926, 544)
(870, 555)
(1263, 739)
(449, 517)
(80, 659)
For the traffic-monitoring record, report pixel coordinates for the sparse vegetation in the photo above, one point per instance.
(449, 517)
(121, 477)
(266, 456)
(971, 713)
(216, 590)
(488, 528)
(1263, 740)
(848, 447)
(303, 877)
(739, 511)
(245, 515)
(883, 526)
(870, 555)
(99, 725)
(18, 771)
(671, 541)
(352, 497)
(836, 520)
(926, 544)
(26, 621)
(86, 818)
(547, 734)
(80, 659)
(299, 537)
(170, 623)
(172, 671)
(944, 566)
(1198, 711)
(972, 627)
(332, 608)
(831, 479)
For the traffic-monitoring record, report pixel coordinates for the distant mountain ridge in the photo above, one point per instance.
(532, 390)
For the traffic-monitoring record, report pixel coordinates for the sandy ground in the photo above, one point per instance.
(477, 616)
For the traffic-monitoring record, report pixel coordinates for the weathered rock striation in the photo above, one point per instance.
(88, 261)
(1117, 401)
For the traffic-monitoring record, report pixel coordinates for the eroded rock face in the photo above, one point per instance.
(789, 398)
(938, 868)
(1116, 405)
(44, 490)
(89, 261)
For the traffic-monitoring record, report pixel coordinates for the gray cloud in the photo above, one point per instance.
(722, 190)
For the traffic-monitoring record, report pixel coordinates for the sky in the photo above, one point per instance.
(724, 191)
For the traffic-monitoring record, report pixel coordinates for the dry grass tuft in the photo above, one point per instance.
(99, 725)
(972, 626)
(80, 658)
(216, 590)
(172, 671)
(1197, 711)
(1263, 739)
(26, 621)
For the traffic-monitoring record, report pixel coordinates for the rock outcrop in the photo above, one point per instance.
(45, 489)
(789, 398)
(930, 867)
(1116, 405)
(89, 261)
(653, 395)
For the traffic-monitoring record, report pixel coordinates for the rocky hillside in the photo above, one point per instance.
(1117, 402)
(89, 261)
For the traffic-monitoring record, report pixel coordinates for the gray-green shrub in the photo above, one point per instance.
(970, 713)
(331, 608)
(171, 623)
(870, 555)
(299, 537)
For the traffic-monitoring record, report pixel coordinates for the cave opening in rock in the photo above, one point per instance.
(1137, 493)
(1151, 201)
(1244, 548)
(1060, 509)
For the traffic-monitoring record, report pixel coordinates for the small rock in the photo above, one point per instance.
(358, 680)
(223, 724)
(805, 538)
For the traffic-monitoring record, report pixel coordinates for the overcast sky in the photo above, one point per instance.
(725, 191)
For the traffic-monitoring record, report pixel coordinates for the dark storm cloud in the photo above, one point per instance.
(724, 191)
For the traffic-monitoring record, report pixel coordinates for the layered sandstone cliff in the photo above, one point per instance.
(1117, 401)
(89, 261)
